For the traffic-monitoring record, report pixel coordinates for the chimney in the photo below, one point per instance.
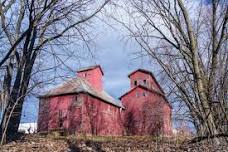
(93, 75)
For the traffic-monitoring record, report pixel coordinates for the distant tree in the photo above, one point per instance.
(188, 40)
(31, 32)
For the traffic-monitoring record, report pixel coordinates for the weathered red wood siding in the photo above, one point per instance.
(49, 109)
(81, 113)
(101, 118)
(147, 112)
(148, 115)
(94, 77)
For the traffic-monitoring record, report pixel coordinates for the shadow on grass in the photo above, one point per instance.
(94, 145)
(80, 146)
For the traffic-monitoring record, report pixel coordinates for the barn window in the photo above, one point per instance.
(137, 94)
(144, 94)
(144, 82)
(135, 82)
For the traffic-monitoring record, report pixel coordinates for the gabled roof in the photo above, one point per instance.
(151, 90)
(79, 85)
(90, 68)
(147, 72)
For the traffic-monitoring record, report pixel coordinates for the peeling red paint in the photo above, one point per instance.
(81, 113)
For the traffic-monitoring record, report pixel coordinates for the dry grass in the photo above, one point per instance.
(56, 143)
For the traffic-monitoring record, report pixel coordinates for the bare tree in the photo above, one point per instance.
(153, 118)
(188, 40)
(129, 123)
(32, 30)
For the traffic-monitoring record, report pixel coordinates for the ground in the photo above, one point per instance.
(38, 143)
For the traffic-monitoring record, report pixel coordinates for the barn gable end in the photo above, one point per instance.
(144, 78)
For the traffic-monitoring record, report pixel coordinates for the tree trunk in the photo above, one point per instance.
(12, 115)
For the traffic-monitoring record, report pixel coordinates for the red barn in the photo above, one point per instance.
(147, 110)
(80, 105)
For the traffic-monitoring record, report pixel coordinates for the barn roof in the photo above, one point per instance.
(90, 68)
(79, 85)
